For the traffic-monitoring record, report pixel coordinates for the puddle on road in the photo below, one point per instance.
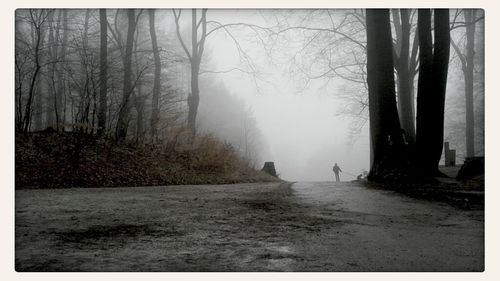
(279, 257)
(322, 192)
(280, 249)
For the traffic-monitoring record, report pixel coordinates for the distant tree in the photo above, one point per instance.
(467, 61)
(52, 47)
(85, 84)
(28, 66)
(195, 56)
(157, 76)
(59, 97)
(103, 73)
(124, 110)
(232, 121)
(40, 83)
(385, 130)
(138, 95)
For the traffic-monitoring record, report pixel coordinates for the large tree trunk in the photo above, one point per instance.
(432, 88)
(123, 114)
(424, 94)
(405, 94)
(103, 74)
(440, 77)
(155, 107)
(385, 130)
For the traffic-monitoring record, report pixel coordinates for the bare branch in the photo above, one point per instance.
(459, 53)
(361, 44)
(177, 29)
(225, 71)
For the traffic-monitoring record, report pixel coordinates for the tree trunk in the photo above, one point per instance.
(197, 48)
(84, 88)
(40, 88)
(38, 105)
(432, 88)
(385, 130)
(194, 96)
(31, 91)
(51, 97)
(468, 69)
(103, 74)
(155, 107)
(123, 114)
(61, 79)
(139, 106)
(405, 81)
(424, 94)
(440, 76)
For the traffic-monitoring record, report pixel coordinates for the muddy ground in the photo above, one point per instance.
(243, 227)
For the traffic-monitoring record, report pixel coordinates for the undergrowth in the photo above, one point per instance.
(56, 160)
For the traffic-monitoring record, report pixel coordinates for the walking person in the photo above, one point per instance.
(336, 170)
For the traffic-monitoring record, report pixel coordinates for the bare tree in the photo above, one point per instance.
(157, 76)
(36, 19)
(53, 47)
(123, 113)
(40, 84)
(467, 61)
(103, 74)
(139, 97)
(195, 56)
(59, 104)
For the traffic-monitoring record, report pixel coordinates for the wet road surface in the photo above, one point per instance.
(243, 227)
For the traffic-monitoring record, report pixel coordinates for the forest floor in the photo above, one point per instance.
(320, 226)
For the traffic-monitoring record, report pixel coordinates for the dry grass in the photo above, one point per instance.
(53, 160)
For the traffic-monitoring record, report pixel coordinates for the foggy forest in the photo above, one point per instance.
(257, 106)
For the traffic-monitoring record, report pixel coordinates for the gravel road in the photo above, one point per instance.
(243, 227)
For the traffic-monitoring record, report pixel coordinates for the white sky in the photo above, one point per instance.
(305, 134)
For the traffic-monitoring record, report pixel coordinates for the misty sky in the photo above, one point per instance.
(302, 127)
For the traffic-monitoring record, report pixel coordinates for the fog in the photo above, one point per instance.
(301, 124)
(310, 124)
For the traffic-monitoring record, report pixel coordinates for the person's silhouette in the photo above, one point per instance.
(336, 170)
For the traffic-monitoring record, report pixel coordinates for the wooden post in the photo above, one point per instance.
(452, 157)
(447, 159)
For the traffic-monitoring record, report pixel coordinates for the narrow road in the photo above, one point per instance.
(243, 227)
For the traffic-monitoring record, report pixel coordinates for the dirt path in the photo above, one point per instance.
(244, 227)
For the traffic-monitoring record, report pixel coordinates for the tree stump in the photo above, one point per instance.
(269, 168)
(472, 167)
